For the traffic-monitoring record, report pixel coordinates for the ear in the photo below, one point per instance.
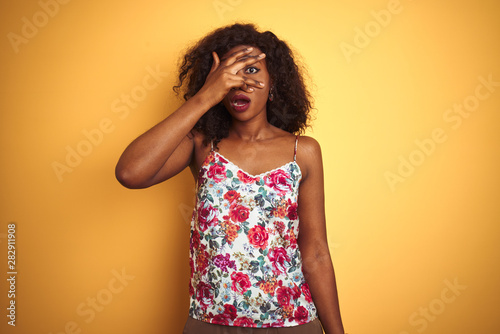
(215, 62)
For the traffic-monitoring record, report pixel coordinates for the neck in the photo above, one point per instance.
(250, 130)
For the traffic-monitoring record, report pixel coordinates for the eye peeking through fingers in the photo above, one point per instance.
(252, 70)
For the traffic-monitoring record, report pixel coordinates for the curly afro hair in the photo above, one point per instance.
(292, 102)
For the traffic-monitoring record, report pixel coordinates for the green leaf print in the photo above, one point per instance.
(213, 244)
(245, 304)
(254, 266)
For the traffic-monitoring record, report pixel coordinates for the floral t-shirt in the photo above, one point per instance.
(246, 267)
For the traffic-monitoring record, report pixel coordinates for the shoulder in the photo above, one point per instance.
(309, 156)
(308, 146)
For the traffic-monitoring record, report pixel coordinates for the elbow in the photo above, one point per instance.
(316, 262)
(129, 179)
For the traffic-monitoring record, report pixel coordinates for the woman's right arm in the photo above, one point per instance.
(162, 151)
(167, 148)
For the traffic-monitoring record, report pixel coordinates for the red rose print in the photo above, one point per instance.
(217, 172)
(292, 210)
(220, 319)
(295, 291)
(221, 159)
(241, 282)
(258, 236)
(279, 180)
(284, 295)
(301, 314)
(230, 311)
(278, 323)
(195, 240)
(224, 318)
(278, 258)
(191, 290)
(207, 216)
(243, 177)
(244, 322)
(191, 265)
(306, 292)
(238, 213)
(204, 294)
(231, 195)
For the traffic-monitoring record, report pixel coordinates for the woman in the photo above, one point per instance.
(245, 103)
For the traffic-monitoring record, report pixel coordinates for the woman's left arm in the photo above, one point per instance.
(313, 244)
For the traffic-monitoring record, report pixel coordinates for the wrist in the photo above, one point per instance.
(200, 103)
(202, 100)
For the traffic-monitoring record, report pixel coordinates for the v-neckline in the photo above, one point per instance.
(261, 174)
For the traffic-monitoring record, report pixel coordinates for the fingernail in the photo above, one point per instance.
(250, 89)
(249, 49)
(261, 83)
(262, 55)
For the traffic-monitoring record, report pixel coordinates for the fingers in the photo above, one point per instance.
(252, 82)
(247, 89)
(244, 83)
(248, 85)
(228, 73)
(245, 62)
(240, 59)
(235, 56)
(244, 86)
(236, 61)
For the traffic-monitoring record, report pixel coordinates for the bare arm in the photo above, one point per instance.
(167, 148)
(313, 244)
(162, 151)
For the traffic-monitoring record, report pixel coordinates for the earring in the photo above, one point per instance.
(271, 96)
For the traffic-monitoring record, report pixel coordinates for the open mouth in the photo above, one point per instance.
(240, 102)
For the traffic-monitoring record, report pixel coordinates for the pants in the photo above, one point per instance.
(194, 326)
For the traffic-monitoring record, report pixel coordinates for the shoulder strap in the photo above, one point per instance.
(295, 150)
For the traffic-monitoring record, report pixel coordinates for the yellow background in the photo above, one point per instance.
(396, 249)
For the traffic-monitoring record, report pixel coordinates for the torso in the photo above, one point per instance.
(245, 261)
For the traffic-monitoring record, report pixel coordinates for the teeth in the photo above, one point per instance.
(239, 104)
